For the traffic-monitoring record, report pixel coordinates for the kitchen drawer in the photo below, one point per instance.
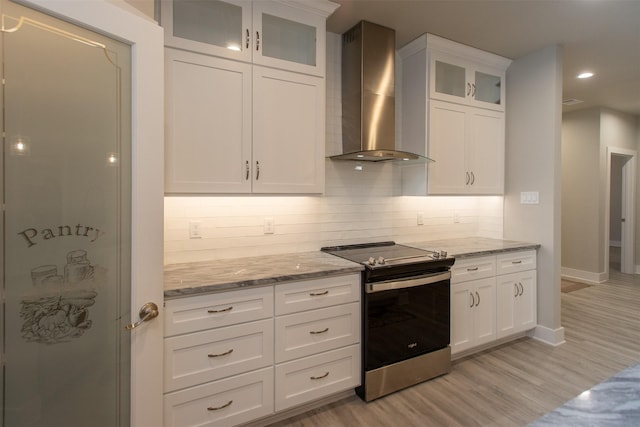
(473, 268)
(310, 332)
(208, 311)
(512, 262)
(227, 402)
(210, 355)
(317, 376)
(312, 294)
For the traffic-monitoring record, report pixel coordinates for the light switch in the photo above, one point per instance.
(529, 198)
(420, 218)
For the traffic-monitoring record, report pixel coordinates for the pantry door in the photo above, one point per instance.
(82, 218)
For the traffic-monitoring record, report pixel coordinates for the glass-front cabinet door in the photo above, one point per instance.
(221, 28)
(262, 32)
(288, 38)
(454, 79)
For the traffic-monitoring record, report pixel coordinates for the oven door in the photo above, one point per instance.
(405, 318)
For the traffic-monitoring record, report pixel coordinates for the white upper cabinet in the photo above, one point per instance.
(452, 111)
(245, 96)
(208, 124)
(458, 80)
(270, 33)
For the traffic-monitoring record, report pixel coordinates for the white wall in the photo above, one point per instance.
(581, 215)
(356, 207)
(534, 114)
(586, 136)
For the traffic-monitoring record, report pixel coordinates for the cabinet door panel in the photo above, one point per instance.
(288, 132)
(208, 120)
(485, 310)
(215, 27)
(485, 151)
(526, 305)
(288, 38)
(447, 136)
(461, 317)
(507, 311)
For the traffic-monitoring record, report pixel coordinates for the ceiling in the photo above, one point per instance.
(602, 36)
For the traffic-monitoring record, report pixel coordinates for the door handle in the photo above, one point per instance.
(623, 220)
(147, 312)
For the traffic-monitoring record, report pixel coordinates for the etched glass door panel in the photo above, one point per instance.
(288, 40)
(66, 234)
(488, 88)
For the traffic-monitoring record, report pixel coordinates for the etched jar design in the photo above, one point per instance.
(40, 274)
(78, 267)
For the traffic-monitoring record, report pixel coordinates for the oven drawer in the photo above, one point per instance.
(227, 402)
(312, 294)
(184, 315)
(317, 376)
(210, 355)
(473, 268)
(310, 332)
(513, 262)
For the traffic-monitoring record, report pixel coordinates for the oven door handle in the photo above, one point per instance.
(389, 285)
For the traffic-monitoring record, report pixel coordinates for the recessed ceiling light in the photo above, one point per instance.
(585, 75)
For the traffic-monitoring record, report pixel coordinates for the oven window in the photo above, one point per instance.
(403, 323)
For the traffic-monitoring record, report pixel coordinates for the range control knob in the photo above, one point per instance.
(372, 261)
(443, 254)
(381, 261)
(436, 254)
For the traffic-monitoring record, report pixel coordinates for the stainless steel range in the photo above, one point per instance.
(405, 315)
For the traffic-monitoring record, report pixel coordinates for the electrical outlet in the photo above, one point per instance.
(269, 226)
(420, 218)
(195, 229)
(456, 217)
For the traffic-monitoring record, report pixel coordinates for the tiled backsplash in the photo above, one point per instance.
(358, 206)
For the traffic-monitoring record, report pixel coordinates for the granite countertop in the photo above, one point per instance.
(614, 402)
(226, 274)
(474, 246)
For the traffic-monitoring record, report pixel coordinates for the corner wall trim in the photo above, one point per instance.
(552, 337)
(584, 276)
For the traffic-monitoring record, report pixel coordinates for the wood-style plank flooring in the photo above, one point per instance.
(514, 384)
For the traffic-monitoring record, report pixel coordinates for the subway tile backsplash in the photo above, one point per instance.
(358, 206)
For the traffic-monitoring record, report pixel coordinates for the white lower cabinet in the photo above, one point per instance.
(227, 402)
(473, 303)
(310, 378)
(237, 356)
(473, 308)
(517, 294)
(492, 297)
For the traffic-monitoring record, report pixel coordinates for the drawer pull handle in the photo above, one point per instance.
(221, 354)
(319, 332)
(220, 311)
(320, 377)
(319, 294)
(517, 262)
(211, 408)
(472, 269)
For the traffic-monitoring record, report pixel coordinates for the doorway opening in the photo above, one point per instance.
(620, 226)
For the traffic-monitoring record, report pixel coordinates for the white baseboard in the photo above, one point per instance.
(584, 276)
(553, 337)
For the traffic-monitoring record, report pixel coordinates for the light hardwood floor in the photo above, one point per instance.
(516, 383)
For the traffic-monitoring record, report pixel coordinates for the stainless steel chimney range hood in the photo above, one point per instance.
(368, 96)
